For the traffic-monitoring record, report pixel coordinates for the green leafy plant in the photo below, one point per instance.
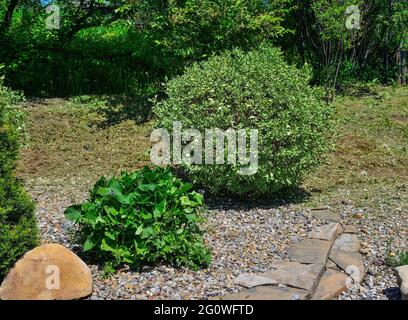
(18, 230)
(255, 90)
(144, 217)
(398, 259)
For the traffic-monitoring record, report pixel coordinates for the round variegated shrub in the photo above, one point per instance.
(241, 92)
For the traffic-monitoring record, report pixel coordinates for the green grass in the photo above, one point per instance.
(74, 139)
(370, 160)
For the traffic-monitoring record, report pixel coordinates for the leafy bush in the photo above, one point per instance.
(144, 217)
(400, 259)
(18, 232)
(257, 90)
(194, 29)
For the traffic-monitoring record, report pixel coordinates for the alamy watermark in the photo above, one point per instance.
(353, 19)
(190, 146)
(53, 20)
(354, 275)
(53, 281)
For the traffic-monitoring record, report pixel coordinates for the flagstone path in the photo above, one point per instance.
(319, 268)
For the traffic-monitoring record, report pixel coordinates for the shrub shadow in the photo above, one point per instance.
(225, 200)
(122, 108)
(285, 197)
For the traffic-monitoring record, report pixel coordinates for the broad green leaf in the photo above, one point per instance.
(147, 232)
(184, 188)
(115, 187)
(191, 217)
(198, 198)
(110, 235)
(146, 215)
(147, 187)
(122, 199)
(106, 247)
(89, 244)
(188, 210)
(185, 201)
(159, 209)
(104, 191)
(73, 213)
(139, 230)
(111, 210)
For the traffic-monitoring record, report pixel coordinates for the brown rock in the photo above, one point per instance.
(350, 262)
(358, 215)
(309, 251)
(269, 293)
(347, 242)
(48, 272)
(325, 215)
(296, 274)
(332, 284)
(327, 232)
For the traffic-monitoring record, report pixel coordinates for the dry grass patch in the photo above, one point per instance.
(68, 142)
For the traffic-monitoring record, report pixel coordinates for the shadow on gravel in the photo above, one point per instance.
(393, 293)
(227, 201)
(286, 197)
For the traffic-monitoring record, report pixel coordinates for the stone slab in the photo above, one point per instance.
(269, 293)
(347, 242)
(350, 262)
(294, 274)
(250, 280)
(331, 285)
(310, 251)
(327, 232)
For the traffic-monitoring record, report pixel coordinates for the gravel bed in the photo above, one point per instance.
(379, 236)
(242, 239)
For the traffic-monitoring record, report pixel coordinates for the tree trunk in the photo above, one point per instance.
(9, 14)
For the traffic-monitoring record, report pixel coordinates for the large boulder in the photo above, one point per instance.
(48, 272)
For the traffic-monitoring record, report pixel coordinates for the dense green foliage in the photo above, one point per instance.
(116, 46)
(18, 231)
(339, 55)
(257, 90)
(144, 217)
(124, 46)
